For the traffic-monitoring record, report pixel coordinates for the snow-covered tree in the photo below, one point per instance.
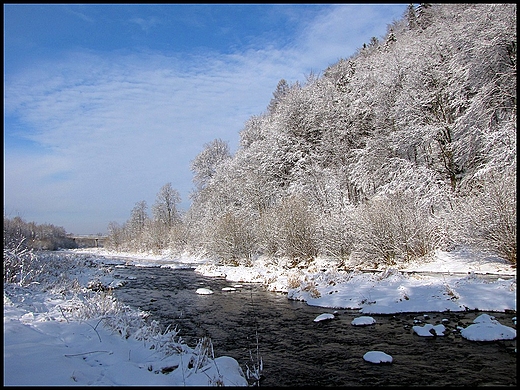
(115, 236)
(281, 90)
(165, 209)
(379, 158)
(206, 162)
(165, 215)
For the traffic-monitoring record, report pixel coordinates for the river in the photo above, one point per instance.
(296, 351)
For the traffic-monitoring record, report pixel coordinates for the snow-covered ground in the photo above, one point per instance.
(57, 337)
(43, 345)
(456, 281)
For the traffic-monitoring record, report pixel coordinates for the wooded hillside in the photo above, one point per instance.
(407, 146)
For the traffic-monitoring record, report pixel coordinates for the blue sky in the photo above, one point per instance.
(104, 104)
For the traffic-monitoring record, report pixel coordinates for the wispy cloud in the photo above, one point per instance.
(124, 127)
(146, 23)
(116, 127)
(74, 10)
(337, 32)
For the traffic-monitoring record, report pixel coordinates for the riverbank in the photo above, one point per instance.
(460, 280)
(66, 329)
(44, 346)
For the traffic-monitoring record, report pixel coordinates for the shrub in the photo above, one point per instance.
(233, 240)
(289, 230)
(21, 265)
(486, 217)
(393, 228)
(336, 235)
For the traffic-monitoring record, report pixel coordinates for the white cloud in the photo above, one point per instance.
(340, 30)
(145, 23)
(123, 125)
(131, 126)
(74, 11)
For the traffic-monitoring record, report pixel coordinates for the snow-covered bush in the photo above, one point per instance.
(267, 234)
(232, 239)
(289, 230)
(393, 228)
(336, 237)
(21, 265)
(24, 266)
(116, 316)
(167, 342)
(486, 218)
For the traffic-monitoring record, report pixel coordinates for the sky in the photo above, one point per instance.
(38, 340)
(104, 104)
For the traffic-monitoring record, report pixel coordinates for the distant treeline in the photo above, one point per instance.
(31, 235)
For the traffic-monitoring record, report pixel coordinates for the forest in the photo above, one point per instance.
(406, 147)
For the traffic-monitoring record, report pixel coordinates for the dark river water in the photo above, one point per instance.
(296, 351)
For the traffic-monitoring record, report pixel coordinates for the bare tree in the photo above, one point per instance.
(165, 207)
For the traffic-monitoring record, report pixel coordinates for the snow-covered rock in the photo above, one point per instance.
(487, 328)
(429, 330)
(377, 357)
(363, 320)
(204, 291)
(323, 317)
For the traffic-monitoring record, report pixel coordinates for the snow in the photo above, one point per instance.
(229, 289)
(429, 330)
(204, 291)
(449, 281)
(377, 357)
(44, 344)
(363, 321)
(43, 349)
(486, 327)
(323, 317)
